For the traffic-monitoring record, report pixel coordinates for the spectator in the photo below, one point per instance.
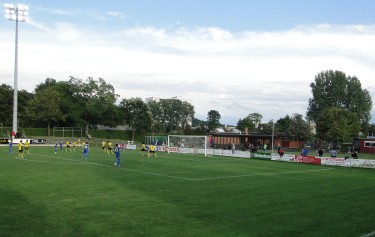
(281, 152)
(320, 152)
(354, 154)
(233, 148)
(333, 153)
(305, 152)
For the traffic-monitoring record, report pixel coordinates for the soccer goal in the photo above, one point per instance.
(67, 132)
(156, 140)
(187, 144)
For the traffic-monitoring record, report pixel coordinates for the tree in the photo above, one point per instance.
(48, 83)
(23, 98)
(94, 98)
(266, 128)
(284, 125)
(45, 106)
(371, 131)
(6, 105)
(197, 122)
(213, 119)
(337, 125)
(136, 114)
(256, 119)
(170, 114)
(157, 121)
(333, 89)
(300, 129)
(186, 115)
(252, 121)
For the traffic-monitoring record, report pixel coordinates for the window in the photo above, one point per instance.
(370, 144)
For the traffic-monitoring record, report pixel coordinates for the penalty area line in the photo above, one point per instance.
(194, 179)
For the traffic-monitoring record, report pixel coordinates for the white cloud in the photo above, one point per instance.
(116, 14)
(234, 73)
(54, 11)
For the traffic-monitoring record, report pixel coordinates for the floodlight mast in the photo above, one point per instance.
(16, 13)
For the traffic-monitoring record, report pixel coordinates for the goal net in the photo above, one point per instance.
(187, 144)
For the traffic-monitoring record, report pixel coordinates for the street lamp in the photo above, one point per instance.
(16, 13)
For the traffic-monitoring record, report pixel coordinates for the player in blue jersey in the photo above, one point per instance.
(11, 146)
(147, 150)
(85, 152)
(117, 151)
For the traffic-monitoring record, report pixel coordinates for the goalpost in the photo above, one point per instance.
(67, 132)
(188, 144)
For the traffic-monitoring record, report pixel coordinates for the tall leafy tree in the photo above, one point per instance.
(48, 83)
(23, 98)
(337, 125)
(6, 105)
(256, 119)
(213, 119)
(284, 125)
(136, 114)
(94, 97)
(197, 122)
(300, 129)
(266, 128)
(333, 89)
(158, 119)
(371, 131)
(187, 113)
(252, 121)
(69, 106)
(45, 106)
(171, 114)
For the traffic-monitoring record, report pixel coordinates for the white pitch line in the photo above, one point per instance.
(45, 161)
(263, 174)
(182, 178)
(369, 234)
(110, 166)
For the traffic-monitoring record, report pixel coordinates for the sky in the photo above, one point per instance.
(234, 56)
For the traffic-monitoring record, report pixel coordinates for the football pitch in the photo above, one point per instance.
(180, 195)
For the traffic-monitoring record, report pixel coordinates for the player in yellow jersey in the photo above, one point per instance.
(20, 150)
(67, 143)
(152, 151)
(74, 145)
(143, 149)
(103, 146)
(109, 148)
(27, 147)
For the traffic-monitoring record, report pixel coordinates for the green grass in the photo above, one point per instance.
(180, 195)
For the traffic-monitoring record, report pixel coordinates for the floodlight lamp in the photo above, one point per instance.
(10, 17)
(9, 6)
(9, 11)
(22, 7)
